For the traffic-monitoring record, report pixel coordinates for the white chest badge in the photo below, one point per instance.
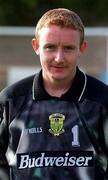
(56, 124)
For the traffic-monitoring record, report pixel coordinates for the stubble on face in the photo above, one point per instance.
(59, 50)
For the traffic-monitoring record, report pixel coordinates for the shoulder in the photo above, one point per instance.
(96, 90)
(20, 88)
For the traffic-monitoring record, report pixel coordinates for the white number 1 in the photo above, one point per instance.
(75, 136)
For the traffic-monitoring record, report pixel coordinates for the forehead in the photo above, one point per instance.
(57, 34)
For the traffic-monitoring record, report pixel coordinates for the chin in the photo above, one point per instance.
(58, 77)
(59, 74)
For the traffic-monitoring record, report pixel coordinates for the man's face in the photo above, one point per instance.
(58, 49)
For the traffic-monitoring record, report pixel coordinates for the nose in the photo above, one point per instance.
(59, 56)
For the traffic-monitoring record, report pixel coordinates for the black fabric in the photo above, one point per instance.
(72, 94)
(25, 111)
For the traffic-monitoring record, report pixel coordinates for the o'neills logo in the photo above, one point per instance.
(57, 159)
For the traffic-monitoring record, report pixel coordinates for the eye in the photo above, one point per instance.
(69, 48)
(50, 47)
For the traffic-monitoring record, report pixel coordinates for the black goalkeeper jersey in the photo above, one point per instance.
(49, 138)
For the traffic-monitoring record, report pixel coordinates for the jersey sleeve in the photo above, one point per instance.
(105, 129)
(4, 168)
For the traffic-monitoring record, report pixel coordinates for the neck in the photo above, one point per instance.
(56, 90)
(57, 87)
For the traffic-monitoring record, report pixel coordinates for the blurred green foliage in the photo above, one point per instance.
(27, 12)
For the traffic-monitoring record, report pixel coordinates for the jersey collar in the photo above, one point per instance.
(75, 93)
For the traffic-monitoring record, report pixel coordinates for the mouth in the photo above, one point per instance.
(58, 69)
(58, 66)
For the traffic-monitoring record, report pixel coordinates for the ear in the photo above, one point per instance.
(83, 47)
(35, 45)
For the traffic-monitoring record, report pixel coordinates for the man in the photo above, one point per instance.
(54, 124)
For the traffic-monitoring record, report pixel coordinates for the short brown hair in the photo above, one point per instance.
(61, 17)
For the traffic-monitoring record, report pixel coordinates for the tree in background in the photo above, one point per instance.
(26, 12)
